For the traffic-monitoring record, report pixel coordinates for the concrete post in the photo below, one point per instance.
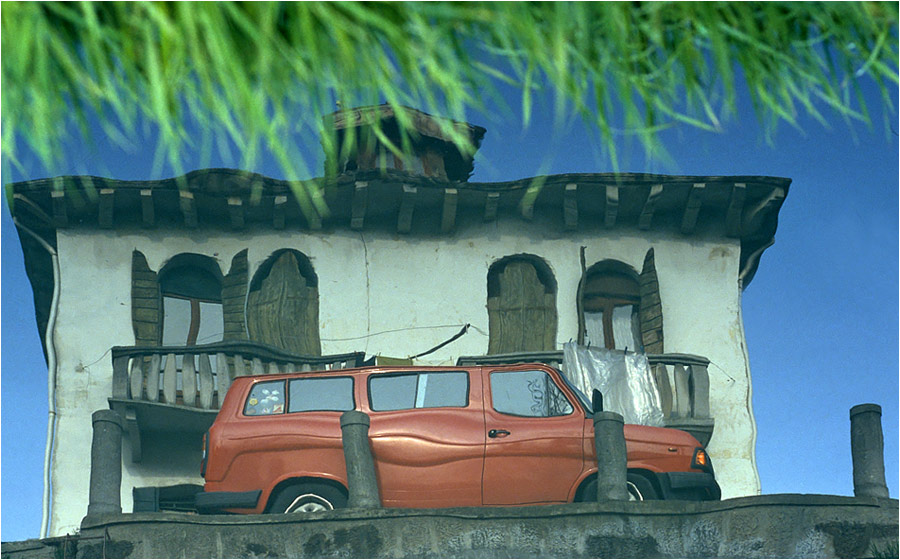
(106, 463)
(609, 440)
(867, 447)
(361, 480)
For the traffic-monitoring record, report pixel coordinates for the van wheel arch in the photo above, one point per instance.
(288, 482)
(649, 476)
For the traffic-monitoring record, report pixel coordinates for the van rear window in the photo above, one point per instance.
(419, 390)
(321, 393)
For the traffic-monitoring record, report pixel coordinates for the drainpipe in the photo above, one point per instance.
(51, 377)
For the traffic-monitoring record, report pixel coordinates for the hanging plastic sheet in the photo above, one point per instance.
(624, 379)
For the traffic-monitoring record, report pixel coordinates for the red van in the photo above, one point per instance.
(440, 437)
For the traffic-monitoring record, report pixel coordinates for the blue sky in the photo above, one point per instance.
(821, 315)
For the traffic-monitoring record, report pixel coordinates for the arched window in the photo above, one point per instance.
(521, 305)
(610, 307)
(283, 304)
(191, 290)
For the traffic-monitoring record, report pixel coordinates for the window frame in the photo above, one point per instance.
(286, 385)
(572, 406)
(328, 377)
(384, 375)
(606, 286)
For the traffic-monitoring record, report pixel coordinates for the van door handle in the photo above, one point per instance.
(498, 433)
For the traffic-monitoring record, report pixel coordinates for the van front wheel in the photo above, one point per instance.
(307, 498)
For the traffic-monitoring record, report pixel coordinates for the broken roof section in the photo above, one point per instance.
(438, 147)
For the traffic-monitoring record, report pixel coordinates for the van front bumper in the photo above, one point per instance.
(207, 502)
(695, 486)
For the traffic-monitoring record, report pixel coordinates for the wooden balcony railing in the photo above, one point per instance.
(682, 380)
(199, 376)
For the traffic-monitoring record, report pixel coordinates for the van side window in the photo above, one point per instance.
(419, 390)
(527, 393)
(321, 393)
(265, 398)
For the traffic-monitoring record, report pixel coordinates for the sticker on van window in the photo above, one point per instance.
(265, 398)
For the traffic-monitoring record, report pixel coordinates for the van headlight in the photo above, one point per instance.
(701, 460)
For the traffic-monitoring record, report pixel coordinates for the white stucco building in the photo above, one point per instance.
(225, 267)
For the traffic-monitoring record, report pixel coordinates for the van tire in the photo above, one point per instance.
(308, 497)
(639, 489)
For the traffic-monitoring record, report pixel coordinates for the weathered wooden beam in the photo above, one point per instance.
(570, 207)
(735, 210)
(407, 206)
(106, 205)
(448, 218)
(358, 206)
(188, 208)
(612, 205)
(60, 213)
(692, 208)
(236, 211)
(278, 211)
(646, 219)
(148, 210)
(491, 203)
(527, 204)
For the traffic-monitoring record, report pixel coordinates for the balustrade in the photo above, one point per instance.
(199, 376)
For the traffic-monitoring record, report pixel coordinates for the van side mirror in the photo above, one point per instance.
(597, 401)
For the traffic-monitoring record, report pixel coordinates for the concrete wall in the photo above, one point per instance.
(776, 526)
(397, 296)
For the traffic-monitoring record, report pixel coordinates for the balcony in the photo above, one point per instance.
(180, 389)
(682, 380)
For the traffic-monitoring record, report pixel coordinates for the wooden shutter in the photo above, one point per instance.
(145, 302)
(283, 310)
(522, 316)
(651, 307)
(234, 290)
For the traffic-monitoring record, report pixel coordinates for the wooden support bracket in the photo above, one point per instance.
(646, 219)
(692, 208)
(491, 203)
(358, 206)
(106, 206)
(236, 211)
(527, 203)
(448, 219)
(148, 210)
(570, 207)
(735, 210)
(407, 207)
(188, 208)
(612, 205)
(754, 215)
(60, 213)
(134, 434)
(278, 211)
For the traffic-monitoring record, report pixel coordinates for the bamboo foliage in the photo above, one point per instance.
(260, 74)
